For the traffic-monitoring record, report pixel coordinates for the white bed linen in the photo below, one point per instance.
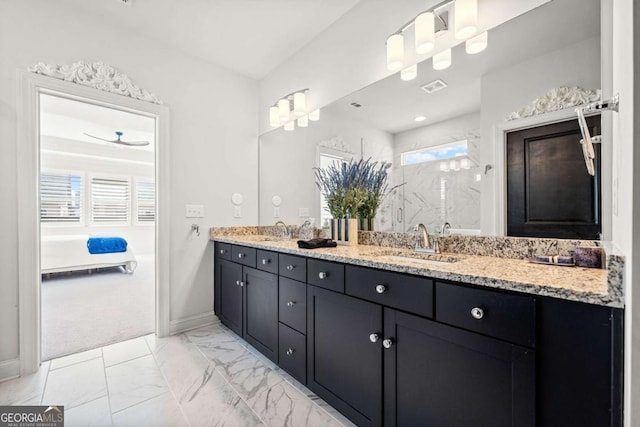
(70, 253)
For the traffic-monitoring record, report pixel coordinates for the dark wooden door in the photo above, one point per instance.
(549, 192)
(437, 375)
(229, 280)
(260, 326)
(343, 366)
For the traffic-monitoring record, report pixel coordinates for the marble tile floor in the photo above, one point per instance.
(204, 377)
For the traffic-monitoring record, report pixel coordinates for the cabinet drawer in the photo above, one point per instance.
(243, 255)
(292, 304)
(293, 353)
(267, 261)
(508, 317)
(223, 250)
(325, 274)
(293, 267)
(408, 293)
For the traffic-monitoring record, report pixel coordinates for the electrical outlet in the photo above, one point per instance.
(194, 211)
(276, 212)
(303, 212)
(237, 211)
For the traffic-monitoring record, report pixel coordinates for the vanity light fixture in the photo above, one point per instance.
(290, 108)
(409, 73)
(462, 15)
(476, 44)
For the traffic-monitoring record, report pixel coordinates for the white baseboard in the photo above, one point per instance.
(9, 369)
(192, 322)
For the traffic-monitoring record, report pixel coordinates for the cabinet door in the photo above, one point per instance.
(344, 366)
(228, 280)
(437, 375)
(260, 328)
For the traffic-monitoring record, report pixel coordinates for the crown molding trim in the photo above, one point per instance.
(556, 99)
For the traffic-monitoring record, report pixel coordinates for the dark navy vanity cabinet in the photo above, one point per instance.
(387, 348)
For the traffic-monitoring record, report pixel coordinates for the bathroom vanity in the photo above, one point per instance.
(453, 339)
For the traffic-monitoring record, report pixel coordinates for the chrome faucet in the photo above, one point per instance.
(446, 228)
(286, 230)
(424, 242)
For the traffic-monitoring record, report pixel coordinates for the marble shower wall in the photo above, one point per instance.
(433, 197)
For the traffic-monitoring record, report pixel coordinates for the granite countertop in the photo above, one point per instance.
(595, 286)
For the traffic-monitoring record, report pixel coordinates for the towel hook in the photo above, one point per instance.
(196, 228)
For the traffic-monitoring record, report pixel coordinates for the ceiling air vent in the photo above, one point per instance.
(433, 86)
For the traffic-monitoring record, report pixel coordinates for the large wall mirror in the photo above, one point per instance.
(438, 131)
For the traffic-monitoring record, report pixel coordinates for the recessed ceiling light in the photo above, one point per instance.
(434, 86)
(420, 119)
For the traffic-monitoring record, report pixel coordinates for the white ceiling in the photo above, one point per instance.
(392, 104)
(250, 37)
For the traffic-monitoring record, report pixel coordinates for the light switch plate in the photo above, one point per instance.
(194, 211)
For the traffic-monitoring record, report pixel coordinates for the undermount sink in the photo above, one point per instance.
(418, 258)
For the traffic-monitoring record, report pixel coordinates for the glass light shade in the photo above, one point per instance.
(466, 18)
(454, 165)
(289, 125)
(303, 121)
(299, 104)
(274, 119)
(442, 60)
(465, 163)
(395, 52)
(425, 32)
(409, 73)
(477, 44)
(283, 110)
(314, 116)
(444, 167)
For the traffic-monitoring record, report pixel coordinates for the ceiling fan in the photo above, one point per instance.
(120, 141)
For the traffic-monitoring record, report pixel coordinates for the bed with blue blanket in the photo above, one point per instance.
(83, 252)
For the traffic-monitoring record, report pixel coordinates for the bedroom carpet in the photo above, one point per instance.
(85, 311)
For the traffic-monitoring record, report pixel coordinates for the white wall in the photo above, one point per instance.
(213, 138)
(626, 188)
(512, 88)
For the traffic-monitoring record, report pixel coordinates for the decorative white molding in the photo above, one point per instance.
(336, 143)
(9, 369)
(193, 322)
(97, 75)
(556, 99)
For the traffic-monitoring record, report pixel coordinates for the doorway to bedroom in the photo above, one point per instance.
(97, 225)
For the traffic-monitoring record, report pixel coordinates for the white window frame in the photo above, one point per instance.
(83, 198)
(134, 201)
(434, 147)
(90, 220)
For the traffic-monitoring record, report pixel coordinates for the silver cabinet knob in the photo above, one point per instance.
(290, 303)
(290, 351)
(387, 343)
(241, 283)
(374, 337)
(290, 267)
(381, 288)
(240, 255)
(322, 275)
(222, 251)
(265, 261)
(477, 313)
(237, 282)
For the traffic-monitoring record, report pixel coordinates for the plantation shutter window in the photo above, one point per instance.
(145, 201)
(60, 198)
(109, 200)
